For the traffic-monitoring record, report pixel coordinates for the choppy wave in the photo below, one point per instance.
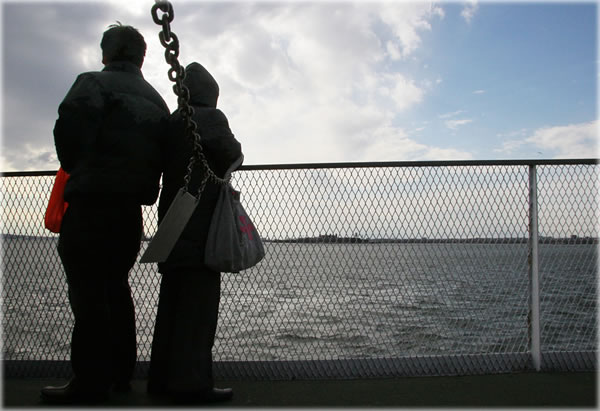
(335, 301)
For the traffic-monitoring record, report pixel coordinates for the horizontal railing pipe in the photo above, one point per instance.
(371, 164)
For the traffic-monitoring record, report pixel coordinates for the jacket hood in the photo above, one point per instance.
(204, 90)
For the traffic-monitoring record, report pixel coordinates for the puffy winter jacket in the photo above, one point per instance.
(221, 150)
(109, 135)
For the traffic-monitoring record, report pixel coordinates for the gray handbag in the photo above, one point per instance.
(233, 243)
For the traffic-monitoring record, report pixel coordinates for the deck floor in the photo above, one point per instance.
(498, 390)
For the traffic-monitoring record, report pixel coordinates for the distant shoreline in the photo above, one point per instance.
(476, 240)
(333, 239)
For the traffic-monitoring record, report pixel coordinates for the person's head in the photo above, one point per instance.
(123, 43)
(203, 87)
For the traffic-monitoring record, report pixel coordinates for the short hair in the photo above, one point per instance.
(123, 43)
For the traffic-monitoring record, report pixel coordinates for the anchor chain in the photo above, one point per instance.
(176, 74)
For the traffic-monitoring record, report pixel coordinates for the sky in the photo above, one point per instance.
(338, 81)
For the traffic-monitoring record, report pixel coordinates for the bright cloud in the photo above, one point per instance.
(572, 141)
(295, 77)
(406, 22)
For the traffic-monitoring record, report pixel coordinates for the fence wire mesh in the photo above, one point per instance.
(568, 259)
(382, 264)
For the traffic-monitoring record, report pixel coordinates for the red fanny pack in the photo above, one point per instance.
(57, 205)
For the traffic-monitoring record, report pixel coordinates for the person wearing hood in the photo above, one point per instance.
(186, 320)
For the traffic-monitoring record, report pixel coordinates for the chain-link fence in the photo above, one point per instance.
(371, 270)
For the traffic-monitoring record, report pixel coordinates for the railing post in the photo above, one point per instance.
(534, 279)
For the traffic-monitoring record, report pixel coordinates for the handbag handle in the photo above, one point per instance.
(234, 166)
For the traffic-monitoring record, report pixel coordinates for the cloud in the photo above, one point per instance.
(452, 114)
(392, 145)
(454, 124)
(307, 76)
(469, 10)
(299, 81)
(406, 22)
(479, 92)
(28, 157)
(510, 146)
(403, 92)
(571, 141)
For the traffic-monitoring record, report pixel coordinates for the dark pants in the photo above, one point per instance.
(184, 332)
(98, 245)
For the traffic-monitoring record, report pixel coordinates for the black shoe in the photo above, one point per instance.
(218, 394)
(72, 393)
(203, 397)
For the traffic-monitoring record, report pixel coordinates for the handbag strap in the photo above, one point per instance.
(234, 166)
(227, 177)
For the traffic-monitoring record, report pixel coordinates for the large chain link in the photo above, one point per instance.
(176, 74)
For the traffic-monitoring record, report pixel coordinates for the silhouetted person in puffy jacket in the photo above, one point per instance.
(186, 322)
(108, 137)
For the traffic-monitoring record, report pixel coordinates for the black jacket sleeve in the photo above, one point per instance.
(221, 146)
(79, 121)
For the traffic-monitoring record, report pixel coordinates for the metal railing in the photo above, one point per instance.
(372, 269)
